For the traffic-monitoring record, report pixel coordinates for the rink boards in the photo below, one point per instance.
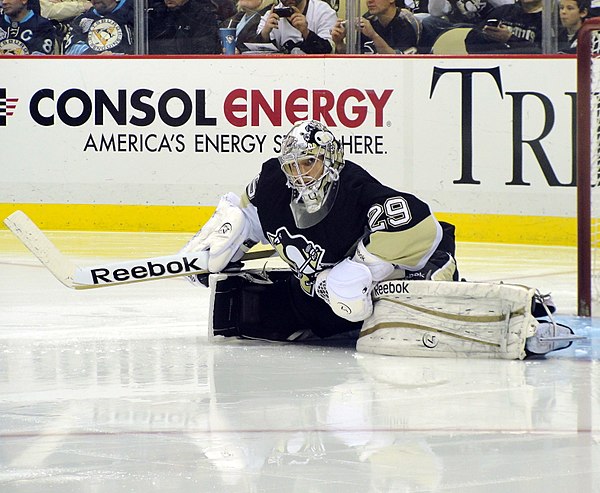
(150, 144)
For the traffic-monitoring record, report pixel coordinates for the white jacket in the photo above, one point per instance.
(320, 17)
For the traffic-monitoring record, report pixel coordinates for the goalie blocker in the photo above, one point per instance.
(410, 318)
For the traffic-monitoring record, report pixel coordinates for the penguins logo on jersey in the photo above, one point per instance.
(104, 35)
(13, 47)
(303, 256)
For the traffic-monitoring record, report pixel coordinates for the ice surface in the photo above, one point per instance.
(120, 390)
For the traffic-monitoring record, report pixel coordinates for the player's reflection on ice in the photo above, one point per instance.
(296, 411)
(384, 416)
(246, 412)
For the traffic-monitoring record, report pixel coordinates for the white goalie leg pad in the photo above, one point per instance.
(224, 234)
(347, 289)
(449, 319)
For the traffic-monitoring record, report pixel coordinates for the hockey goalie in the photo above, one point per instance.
(363, 259)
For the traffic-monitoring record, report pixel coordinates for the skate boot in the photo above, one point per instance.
(543, 305)
(549, 336)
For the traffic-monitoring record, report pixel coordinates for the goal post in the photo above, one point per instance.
(588, 165)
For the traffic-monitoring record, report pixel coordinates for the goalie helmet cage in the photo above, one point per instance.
(588, 166)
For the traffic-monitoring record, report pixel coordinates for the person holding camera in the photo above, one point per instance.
(299, 26)
(449, 14)
(513, 28)
(508, 29)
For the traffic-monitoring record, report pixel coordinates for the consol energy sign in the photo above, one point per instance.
(175, 107)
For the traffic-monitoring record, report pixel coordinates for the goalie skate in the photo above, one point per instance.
(550, 336)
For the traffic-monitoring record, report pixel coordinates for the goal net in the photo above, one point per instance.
(588, 166)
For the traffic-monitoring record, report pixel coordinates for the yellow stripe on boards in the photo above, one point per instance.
(102, 217)
(528, 230)
(487, 228)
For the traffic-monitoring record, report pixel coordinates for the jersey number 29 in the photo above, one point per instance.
(393, 214)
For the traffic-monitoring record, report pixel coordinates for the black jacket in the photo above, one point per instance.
(188, 30)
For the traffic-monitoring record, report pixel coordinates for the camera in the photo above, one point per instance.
(284, 11)
(492, 22)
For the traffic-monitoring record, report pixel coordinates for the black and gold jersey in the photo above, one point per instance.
(396, 226)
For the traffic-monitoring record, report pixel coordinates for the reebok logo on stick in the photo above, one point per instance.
(148, 269)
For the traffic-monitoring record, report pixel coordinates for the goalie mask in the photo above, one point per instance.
(311, 159)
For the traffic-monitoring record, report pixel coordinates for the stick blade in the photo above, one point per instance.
(38, 243)
(108, 274)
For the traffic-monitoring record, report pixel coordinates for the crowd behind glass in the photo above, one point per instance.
(225, 27)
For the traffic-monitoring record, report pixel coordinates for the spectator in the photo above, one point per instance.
(302, 26)
(572, 13)
(183, 27)
(386, 28)
(246, 21)
(447, 14)
(514, 28)
(105, 29)
(23, 32)
(223, 9)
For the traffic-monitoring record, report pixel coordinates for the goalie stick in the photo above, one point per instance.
(109, 274)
